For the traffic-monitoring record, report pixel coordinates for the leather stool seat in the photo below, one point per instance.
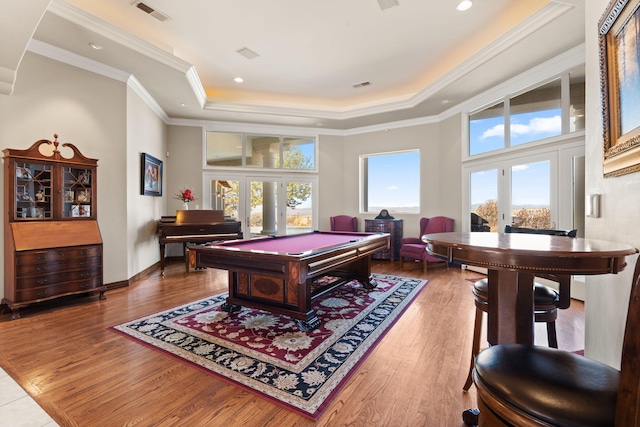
(549, 385)
(542, 295)
(546, 302)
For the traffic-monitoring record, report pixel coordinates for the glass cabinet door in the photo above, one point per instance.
(77, 192)
(32, 191)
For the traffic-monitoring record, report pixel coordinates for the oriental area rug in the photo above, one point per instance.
(268, 354)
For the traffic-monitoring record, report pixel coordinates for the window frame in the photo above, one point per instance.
(505, 100)
(283, 138)
(363, 162)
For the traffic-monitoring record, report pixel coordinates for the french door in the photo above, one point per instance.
(541, 190)
(265, 204)
(512, 193)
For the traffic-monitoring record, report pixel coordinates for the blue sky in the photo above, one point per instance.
(394, 180)
(530, 182)
(530, 185)
(629, 76)
(488, 134)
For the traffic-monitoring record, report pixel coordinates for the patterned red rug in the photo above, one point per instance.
(268, 354)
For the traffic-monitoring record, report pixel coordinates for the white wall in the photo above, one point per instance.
(439, 163)
(86, 110)
(146, 133)
(338, 160)
(106, 120)
(331, 182)
(606, 296)
(184, 166)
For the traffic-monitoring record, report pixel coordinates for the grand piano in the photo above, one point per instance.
(198, 226)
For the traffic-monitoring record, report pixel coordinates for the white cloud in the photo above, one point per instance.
(497, 130)
(538, 125)
(393, 188)
(519, 168)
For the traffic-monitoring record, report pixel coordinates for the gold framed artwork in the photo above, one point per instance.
(619, 38)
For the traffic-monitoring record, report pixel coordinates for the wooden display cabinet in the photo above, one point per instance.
(52, 244)
(394, 228)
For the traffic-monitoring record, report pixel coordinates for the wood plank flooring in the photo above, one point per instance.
(83, 374)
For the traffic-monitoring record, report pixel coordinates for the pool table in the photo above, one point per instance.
(280, 273)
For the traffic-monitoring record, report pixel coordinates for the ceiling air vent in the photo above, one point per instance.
(247, 53)
(357, 85)
(151, 11)
(386, 4)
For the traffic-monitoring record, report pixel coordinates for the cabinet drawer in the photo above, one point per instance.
(54, 255)
(53, 290)
(55, 267)
(56, 278)
(379, 228)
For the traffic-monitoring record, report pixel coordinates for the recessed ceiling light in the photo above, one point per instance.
(182, 104)
(96, 46)
(464, 5)
(238, 80)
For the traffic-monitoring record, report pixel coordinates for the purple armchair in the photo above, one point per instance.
(344, 223)
(414, 249)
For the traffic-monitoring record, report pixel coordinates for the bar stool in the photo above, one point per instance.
(546, 302)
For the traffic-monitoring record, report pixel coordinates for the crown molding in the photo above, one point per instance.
(79, 61)
(146, 97)
(196, 86)
(7, 80)
(105, 29)
(551, 11)
(548, 70)
(529, 26)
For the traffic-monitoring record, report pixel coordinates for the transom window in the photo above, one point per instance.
(260, 151)
(551, 109)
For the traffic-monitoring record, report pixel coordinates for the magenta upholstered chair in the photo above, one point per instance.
(344, 223)
(414, 249)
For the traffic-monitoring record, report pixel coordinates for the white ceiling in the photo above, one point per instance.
(420, 57)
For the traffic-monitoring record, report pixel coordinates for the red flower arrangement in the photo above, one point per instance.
(185, 195)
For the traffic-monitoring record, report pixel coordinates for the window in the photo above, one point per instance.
(268, 182)
(298, 153)
(549, 110)
(391, 181)
(224, 149)
(266, 205)
(535, 114)
(531, 194)
(260, 151)
(541, 188)
(486, 130)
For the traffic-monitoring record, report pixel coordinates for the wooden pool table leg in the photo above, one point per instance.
(230, 308)
(369, 283)
(309, 324)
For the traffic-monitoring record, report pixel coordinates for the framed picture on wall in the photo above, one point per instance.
(151, 176)
(619, 32)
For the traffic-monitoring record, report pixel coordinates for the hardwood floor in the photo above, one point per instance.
(83, 374)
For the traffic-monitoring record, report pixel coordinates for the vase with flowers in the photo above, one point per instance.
(186, 196)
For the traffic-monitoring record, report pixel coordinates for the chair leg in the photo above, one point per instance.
(424, 265)
(551, 334)
(475, 349)
(400, 257)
